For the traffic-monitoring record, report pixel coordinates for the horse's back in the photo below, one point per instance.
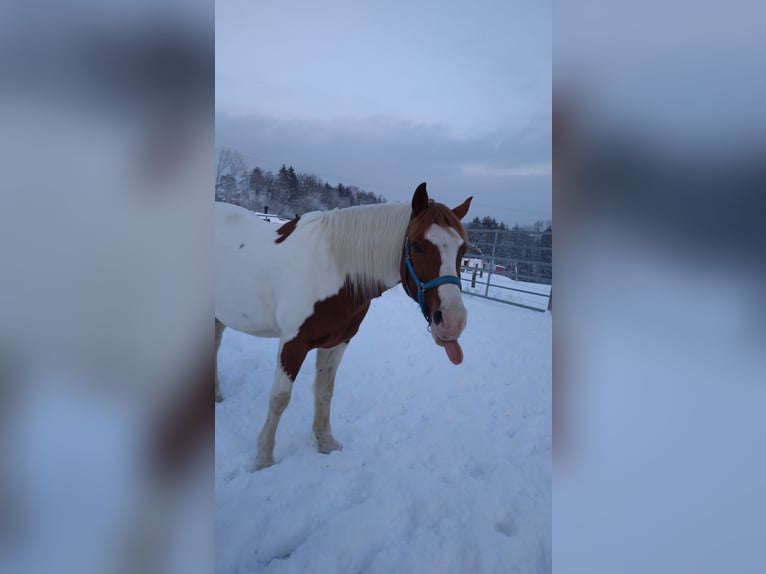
(240, 231)
(267, 282)
(244, 296)
(232, 218)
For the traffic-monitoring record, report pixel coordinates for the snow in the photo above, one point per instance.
(444, 468)
(269, 218)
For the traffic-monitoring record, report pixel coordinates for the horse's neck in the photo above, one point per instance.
(366, 243)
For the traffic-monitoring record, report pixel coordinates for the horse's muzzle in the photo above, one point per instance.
(448, 324)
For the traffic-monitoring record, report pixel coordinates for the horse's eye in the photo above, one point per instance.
(416, 247)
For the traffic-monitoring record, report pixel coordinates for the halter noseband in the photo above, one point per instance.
(423, 287)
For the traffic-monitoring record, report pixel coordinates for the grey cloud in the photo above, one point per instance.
(390, 157)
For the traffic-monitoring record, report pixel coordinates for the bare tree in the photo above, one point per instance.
(230, 162)
(231, 177)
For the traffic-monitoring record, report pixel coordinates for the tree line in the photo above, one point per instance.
(286, 193)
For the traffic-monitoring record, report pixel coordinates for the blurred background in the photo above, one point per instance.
(659, 332)
(107, 165)
(105, 297)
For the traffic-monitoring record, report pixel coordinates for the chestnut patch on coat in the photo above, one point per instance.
(334, 321)
(427, 264)
(285, 231)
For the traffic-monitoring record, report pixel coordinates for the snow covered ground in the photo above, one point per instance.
(444, 469)
(506, 289)
(275, 219)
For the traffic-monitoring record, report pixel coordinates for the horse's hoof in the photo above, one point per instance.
(218, 398)
(261, 464)
(326, 446)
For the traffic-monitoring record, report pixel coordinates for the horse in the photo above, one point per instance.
(310, 283)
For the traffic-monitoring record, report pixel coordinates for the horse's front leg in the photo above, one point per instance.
(327, 366)
(219, 328)
(289, 360)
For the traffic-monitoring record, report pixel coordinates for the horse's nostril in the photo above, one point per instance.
(438, 317)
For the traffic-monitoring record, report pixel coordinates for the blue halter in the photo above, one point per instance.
(423, 287)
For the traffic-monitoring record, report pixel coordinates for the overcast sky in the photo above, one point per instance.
(386, 95)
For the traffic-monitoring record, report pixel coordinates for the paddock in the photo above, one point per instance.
(444, 468)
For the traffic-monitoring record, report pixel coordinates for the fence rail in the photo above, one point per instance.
(513, 266)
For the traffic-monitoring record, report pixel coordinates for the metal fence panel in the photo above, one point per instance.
(514, 266)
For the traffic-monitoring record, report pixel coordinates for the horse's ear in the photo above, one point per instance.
(419, 199)
(462, 209)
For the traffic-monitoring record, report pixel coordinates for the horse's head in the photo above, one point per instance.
(430, 268)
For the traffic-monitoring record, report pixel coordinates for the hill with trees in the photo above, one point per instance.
(286, 192)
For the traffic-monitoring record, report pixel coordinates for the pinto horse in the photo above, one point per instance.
(310, 284)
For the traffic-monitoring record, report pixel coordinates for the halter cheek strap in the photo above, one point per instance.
(420, 295)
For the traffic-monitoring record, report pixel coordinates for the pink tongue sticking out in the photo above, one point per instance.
(454, 352)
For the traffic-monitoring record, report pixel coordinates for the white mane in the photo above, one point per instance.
(366, 241)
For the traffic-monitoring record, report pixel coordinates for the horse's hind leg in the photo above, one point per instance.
(289, 360)
(219, 327)
(324, 384)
